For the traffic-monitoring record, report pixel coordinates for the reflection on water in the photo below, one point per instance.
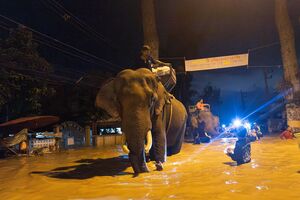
(198, 172)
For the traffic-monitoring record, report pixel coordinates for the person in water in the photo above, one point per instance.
(256, 128)
(287, 134)
(200, 135)
(242, 151)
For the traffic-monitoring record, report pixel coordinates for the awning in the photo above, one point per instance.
(31, 123)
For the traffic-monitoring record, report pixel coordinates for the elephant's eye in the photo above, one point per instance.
(152, 99)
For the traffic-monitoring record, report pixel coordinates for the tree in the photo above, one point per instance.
(22, 91)
(149, 26)
(290, 64)
(287, 41)
(211, 95)
(189, 95)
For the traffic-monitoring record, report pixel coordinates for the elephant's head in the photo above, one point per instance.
(136, 96)
(211, 122)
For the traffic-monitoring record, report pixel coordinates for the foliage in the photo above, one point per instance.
(210, 95)
(22, 90)
(77, 102)
(188, 94)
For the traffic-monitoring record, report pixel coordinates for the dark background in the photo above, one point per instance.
(190, 29)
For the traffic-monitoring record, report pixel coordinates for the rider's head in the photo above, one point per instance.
(146, 50)
(241, 132)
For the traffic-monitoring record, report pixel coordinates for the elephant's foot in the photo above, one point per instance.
(159, 166)
(148, 158)
(144, 169)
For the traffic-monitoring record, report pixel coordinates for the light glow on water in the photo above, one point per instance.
(99, 174)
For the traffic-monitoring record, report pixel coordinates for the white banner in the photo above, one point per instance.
(70, 141)
(216, 62)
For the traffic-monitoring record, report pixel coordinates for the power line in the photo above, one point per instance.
(66, 52)
(46, 43)
(264, 66)
(81, 25)
(43, 76)
(4, 27)
(264, 46)
(65, 79)
(64, 44)
(62, 15)
(69, 17)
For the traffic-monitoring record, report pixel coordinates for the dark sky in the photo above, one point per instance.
(189, 28)
(197, 29)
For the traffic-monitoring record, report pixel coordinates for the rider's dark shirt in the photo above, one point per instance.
(140, 63)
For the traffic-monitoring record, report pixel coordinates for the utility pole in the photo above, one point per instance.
(266, 81)
(287, 42)
(149, 26)
(290, 63)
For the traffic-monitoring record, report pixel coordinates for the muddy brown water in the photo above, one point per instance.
(198, 172)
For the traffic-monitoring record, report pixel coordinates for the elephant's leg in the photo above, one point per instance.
(179, 140)
(158, 152)
(138, 163)
(137, 154)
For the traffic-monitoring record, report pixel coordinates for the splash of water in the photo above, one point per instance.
(278, 97)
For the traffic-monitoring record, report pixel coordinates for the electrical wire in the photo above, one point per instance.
(62, 14)
(264, 46)
(62, 11)
(40, 40)
(44, 75)
(66, 52)
(81, 25)
(64, 44)
(65, 79)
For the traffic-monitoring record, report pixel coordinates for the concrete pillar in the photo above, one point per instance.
(94, 129)
(87, 135)
(293, 116)
(58, 136)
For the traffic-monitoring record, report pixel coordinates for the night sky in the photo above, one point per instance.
(190, 29)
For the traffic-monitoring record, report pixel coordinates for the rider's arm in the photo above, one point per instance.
(158, 63)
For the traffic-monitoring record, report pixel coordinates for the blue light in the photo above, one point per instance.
(237, 123)
(223, 126)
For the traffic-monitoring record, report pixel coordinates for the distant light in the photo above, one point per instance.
(237, 123)
(223, 126)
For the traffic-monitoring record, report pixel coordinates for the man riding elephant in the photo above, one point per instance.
(147, 61)
(211, 122)
(150, 116)
(164, 71)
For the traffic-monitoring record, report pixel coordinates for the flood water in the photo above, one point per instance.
(198, 172)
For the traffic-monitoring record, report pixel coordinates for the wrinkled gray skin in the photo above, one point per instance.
(211, 122)
(132, 95)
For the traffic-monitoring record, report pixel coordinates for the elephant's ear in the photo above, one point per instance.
(107, 100)
(160, 95)
(162, 98)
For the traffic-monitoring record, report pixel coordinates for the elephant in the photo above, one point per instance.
(152, 120)
(211, 121)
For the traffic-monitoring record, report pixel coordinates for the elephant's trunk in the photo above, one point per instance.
(148, 144)
(136, 125)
